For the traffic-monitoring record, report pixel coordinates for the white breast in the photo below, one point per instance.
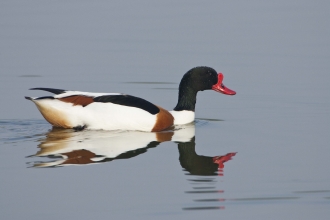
(109, 116)
(183, 117)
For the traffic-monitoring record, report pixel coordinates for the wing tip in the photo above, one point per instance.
(37, 88)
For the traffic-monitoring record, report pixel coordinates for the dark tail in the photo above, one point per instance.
(55, 91)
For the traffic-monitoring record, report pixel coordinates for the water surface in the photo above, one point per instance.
(262, 154)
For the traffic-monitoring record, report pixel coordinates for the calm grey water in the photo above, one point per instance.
(262, 154)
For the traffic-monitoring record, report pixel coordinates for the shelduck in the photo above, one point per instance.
(117, 111)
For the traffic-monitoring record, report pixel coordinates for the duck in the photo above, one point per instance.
(118, 111)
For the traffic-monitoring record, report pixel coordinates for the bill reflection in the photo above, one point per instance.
(206, 172)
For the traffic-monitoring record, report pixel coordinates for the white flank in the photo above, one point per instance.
(97, 115)
(110, 116)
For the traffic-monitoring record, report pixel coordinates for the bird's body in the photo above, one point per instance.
(116, 111)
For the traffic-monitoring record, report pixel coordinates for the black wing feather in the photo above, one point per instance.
(55, 91)
(129, 100)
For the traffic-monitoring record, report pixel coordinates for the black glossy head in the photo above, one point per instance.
(199, 79)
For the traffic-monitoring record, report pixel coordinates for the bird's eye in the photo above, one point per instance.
(222, 86)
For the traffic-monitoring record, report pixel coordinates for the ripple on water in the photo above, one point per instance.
(209, 119)
(152, 83)
(13, 131)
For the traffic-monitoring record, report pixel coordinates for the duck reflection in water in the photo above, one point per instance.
(201, 165)
(90, 147)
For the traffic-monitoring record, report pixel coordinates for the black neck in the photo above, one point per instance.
(187, 99)
(196, 79)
